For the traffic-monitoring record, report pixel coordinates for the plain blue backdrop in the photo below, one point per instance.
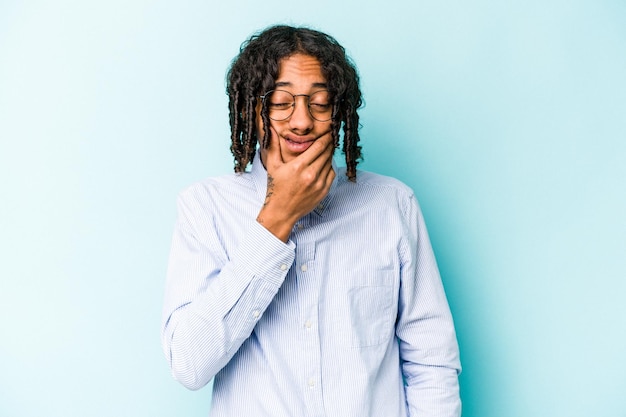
(508, 119)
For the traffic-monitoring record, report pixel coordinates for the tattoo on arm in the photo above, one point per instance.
(270, 189)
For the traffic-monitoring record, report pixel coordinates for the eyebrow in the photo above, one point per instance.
(289, 84)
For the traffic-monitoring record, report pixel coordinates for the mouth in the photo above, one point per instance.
(298, 145)
(299, 142)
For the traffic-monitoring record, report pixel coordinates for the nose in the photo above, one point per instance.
(301, 119)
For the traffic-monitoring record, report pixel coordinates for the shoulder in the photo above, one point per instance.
(373, 190)
(371, 179)
(370, 182)
(214, 194)
(211, 185)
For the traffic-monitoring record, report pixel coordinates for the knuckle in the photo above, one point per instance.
(296, 165)
(309, 177)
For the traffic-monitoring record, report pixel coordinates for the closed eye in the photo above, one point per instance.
(319, 106)
(280, 106)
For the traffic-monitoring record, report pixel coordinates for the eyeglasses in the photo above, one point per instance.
(281, 104)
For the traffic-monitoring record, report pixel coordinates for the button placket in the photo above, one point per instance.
(308, 287)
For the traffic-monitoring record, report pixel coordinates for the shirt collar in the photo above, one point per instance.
(259, 177)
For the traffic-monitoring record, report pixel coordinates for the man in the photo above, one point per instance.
(301, 288)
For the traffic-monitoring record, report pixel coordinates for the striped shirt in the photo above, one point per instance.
(348, 318)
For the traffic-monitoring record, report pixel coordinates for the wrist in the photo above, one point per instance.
(279, 225)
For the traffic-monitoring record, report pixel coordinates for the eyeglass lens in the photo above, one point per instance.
(281, 105)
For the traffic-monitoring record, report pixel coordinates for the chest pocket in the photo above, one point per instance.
(366, 307)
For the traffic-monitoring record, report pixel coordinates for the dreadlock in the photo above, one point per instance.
(254, 71)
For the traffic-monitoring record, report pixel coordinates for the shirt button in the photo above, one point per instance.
(303, 268)
(256, 314)
(311, 383)
(283, 267)
(308, 324)
(300, 226)
(320, 207)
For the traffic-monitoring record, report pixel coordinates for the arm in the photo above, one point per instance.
(213, 301)
(428, 346)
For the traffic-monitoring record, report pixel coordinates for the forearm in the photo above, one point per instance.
(432, 391)
(211, 309)
(431, 365)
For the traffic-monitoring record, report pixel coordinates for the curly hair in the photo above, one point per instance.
(254, 71)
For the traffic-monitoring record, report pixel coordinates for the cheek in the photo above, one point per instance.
(325, 129)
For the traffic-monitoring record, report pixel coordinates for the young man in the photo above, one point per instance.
(301, 288)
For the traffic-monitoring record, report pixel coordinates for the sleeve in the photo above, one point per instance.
(428, 346)
(213, 299)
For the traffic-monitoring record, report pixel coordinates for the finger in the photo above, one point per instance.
(331, 176)
(317, 149)
(327, 172)
(321, 174)
(326, 178)
(325, 158)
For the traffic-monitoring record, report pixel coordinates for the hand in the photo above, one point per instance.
(296, 187)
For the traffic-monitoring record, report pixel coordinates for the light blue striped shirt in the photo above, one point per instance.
(348, 318)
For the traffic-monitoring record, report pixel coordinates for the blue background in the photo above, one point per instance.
(507, 118)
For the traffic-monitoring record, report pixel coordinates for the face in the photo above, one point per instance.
(298, 74)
